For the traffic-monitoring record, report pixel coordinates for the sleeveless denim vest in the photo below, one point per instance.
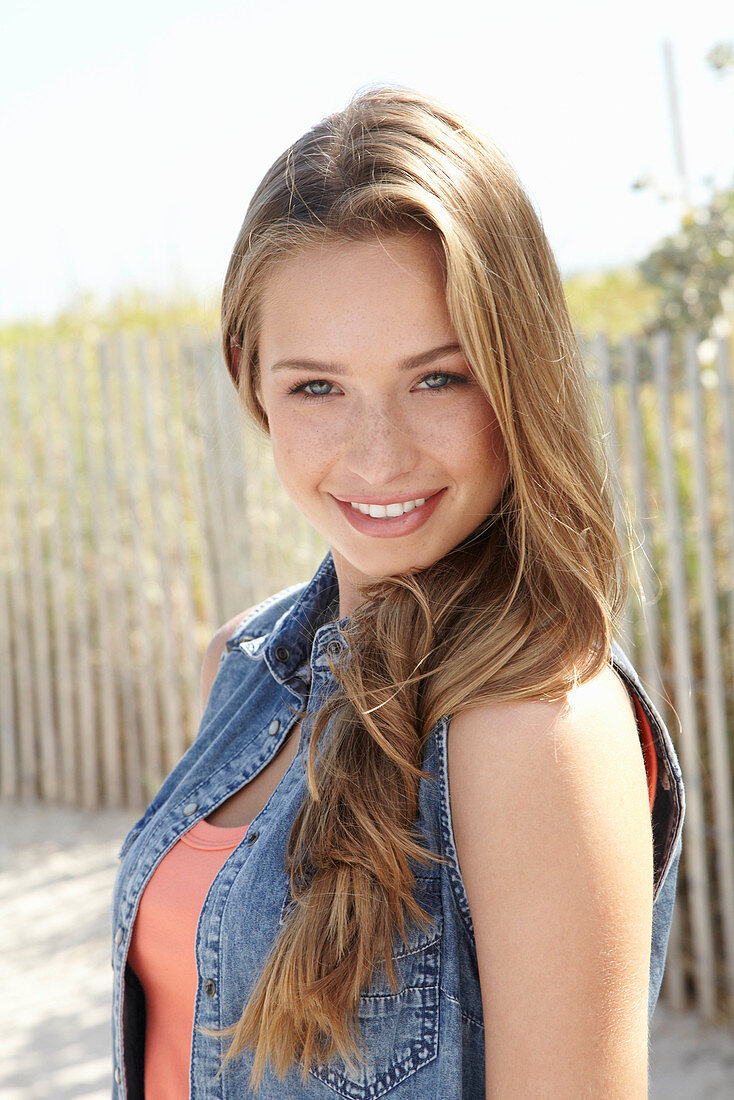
(426, 1039)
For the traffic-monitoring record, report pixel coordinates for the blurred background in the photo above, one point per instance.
(138, 511)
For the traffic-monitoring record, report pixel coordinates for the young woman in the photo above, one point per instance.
(425, 842)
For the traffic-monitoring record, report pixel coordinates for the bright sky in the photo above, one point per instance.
(134, 134)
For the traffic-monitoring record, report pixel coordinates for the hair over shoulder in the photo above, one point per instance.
(522, 608)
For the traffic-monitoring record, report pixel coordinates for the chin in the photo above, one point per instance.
(388, 564)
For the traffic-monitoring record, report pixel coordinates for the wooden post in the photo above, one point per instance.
(102, 740)
(694, 843)
(11, 783)
(146, 746)
(651, 663)
(214, 524)
(651, 659)
(174, 741)
(611, 450)
(74, 379)
(40, 680)
(121, 786)
(725, 393)
(189, 665)
(60, 505)
(186, 387)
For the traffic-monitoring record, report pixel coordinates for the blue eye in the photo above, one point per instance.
(452, 379)
(305, 387)
(300, 387)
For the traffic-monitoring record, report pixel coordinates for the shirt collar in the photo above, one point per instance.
(306, 632)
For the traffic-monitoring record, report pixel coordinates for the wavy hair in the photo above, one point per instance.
(522, 608)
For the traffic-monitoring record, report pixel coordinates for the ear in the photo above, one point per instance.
(235, 354)
(258, 393)
(257, 389)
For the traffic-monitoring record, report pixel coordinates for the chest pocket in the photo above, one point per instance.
(399, 1029)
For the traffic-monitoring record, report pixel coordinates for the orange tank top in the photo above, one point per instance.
(162, 948)
(162, 951)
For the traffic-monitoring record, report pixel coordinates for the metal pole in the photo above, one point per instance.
(675, 123)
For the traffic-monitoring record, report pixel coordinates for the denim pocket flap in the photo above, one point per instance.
(399, 1027)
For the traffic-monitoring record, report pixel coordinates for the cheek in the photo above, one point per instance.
(472, 433)
(482, 449)
(495, 444)
(301, 450)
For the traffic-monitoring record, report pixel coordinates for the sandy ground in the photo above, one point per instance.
(56, 873)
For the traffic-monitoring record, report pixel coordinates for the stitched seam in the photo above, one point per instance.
(264, 606)
(447, 835)
(466, 1015)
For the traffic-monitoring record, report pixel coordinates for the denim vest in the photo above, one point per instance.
(427, 1039)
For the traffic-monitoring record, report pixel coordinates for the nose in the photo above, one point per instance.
(380, 447)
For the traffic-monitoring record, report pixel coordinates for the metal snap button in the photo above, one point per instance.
(210, 987)
(118, 1075)
(119, 936)
(273, 727)
(252, 838)
(190, 808)
(282, 653)
(334, 648)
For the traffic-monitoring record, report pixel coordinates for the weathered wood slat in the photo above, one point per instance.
(687, 737)
(71, 380)
(227, 430)
(103, 741)
(59, 545)
(177, 492)
(650, 668)
(210, 467)
(186, 387)
(721, 754)
(10, 719)
(651, 647)
(120, 783)
(624, 630)
(143, 743)
(44, 733)
(172, 732)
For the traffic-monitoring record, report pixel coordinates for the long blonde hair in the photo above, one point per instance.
(522, 608)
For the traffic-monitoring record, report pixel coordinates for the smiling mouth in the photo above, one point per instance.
(389, 511)
(390, 508)
(399, 517)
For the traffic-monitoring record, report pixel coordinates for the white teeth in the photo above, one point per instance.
(388, 511)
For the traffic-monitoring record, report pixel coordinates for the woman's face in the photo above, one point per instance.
(370, 402)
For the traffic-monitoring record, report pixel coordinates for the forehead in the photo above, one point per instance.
(343, 292)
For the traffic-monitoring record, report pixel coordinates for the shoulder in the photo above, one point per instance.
(583, 740)
(553, 836)
(559, 764)
(261, 619)
(214, 650)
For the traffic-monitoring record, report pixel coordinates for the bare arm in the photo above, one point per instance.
(213, 653)
(552, 825)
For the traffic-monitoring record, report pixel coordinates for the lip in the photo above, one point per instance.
(394, 526)
(423, 494)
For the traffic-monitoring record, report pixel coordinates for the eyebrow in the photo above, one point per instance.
(422, 359)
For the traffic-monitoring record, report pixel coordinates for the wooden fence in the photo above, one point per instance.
(138, 512)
